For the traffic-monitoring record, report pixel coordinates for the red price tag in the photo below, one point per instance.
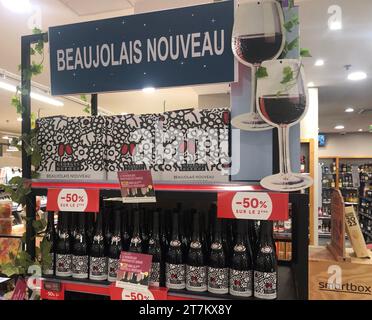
(253, 205)
(75, 200)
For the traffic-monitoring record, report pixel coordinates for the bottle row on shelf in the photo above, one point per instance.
(217, 255)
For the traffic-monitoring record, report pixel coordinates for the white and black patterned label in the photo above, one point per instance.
(50, 269)
(63, 265)
(175, 276)
(218, 280)
(265, 286)
(98, 268)
(113, 265)
(80, 267)
(241, 283)
(196, 278)
(155, 274)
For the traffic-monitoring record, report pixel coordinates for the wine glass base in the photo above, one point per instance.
(250, 122)
(286, 182)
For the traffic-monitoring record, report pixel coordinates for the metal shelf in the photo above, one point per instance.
(324, 217)
(352, 203)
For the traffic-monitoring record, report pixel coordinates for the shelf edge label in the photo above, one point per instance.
(73, 200)
(253, 205)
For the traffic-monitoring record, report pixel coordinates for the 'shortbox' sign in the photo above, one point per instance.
(74, 200)
(177, 47)
(253, 205)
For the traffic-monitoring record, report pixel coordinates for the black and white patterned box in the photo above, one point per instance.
(72, 148)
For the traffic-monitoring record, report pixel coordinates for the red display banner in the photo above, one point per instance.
(19, 292)
(75, 200)
(253, 205)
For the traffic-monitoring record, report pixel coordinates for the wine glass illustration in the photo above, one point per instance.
(282, 101)
(258, 35)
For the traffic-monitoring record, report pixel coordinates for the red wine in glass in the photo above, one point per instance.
(282, 109)
(257, 48)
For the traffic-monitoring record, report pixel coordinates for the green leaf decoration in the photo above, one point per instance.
(293, 44)
(87, 109)
(305, 53)
(261, 72)
(37, 31)
(83, 97)
(288, 26)
(287, 75)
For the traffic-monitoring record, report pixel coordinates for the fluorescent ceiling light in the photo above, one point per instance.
(319, 63)
(148, 90)
(5, 137)
(335, 25)
(356, 76)
(17, 6)
(349, 110)
(339, 127)
(360, 130)
(34, 95)
(311, 84)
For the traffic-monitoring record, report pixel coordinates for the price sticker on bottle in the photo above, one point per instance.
(253, 205)
(73, 200)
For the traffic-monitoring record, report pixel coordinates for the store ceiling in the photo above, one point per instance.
(338, 48)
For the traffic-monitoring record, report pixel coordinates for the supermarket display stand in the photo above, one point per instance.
(292, 276)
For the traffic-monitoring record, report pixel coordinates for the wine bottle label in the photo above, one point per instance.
(196, 278)
(98, 268)
(113, 265)
(49, 270)
(175, 276)
(218, 280)
(155, 274)
(241, 283)
(265, 285)
(80, 267)
(63, 265)
(267, 249)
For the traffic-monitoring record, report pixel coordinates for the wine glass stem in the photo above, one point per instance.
(254, 88)
(284, 155)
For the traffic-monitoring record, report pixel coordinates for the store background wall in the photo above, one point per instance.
(309, 130)
(220, 100)
(347, 145)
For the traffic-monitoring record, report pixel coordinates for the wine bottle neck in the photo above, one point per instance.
(98, 230)
(217, 236)
(50, 226)
(196, 229)
(175, 234)
(117, 222)
(240, 232)
(136, 228)
(266, 232)
(155, 226)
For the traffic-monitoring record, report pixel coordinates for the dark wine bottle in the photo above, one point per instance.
(156, 251)
(63, 248)
(50, 237)
(218, 271)
(241, 269)
(136, 241)
(98, 259)
(185, 241)
(252, 236)
(125, 233)
(89, 227)
(163, 233)
(107, 219)
(114, 248)
(196, 270)
(265, 269)
(175, 266)
(144, 231)
(80, 259)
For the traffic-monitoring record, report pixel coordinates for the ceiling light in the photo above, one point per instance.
(19, 119)
(349, 110)
(311, 84)
(356, 76)
(148, 90)
(17, 6)
(36, 96)
(319, 63)
(12, 149)
(339, 127)
(5, 137)
(360, 130)
(335, 25)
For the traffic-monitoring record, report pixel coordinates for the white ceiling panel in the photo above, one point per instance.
(89, 7)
